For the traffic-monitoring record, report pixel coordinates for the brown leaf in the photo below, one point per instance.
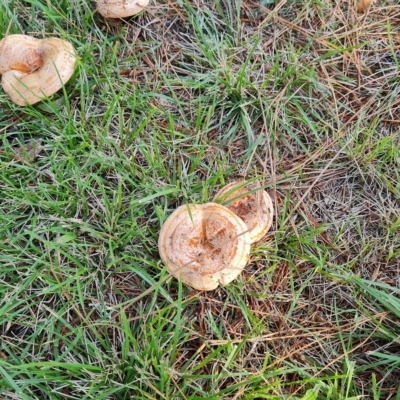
(29, 150)
(364, 5)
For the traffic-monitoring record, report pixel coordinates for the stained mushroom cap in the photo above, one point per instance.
(205, 247)
(120, 8)
(33, 69)
(255, 209)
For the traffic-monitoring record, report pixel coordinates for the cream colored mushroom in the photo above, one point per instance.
(33, 69)
(255, 208)
(204, 245)
(120, 8)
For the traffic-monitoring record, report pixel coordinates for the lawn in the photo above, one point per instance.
(164, 109)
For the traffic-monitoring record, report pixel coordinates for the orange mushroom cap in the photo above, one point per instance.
(204, 245)
(33, 69)
(253, 205)
(120, 8)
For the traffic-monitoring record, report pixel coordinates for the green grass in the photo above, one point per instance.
(164, 109)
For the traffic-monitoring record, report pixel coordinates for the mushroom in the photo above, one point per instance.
(204, 245)
(253, 205)
(34, 69)
(120, 8)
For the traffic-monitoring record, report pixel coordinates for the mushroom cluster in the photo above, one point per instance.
(33, 69)
(209, 244)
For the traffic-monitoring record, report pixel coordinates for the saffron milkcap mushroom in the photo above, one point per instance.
(33, 69)
(120, 8)
(204, 245)
(253, 205)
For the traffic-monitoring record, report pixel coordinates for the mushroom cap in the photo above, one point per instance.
(255, 209)
(34, 69)
(120, 8)
(205, 247)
